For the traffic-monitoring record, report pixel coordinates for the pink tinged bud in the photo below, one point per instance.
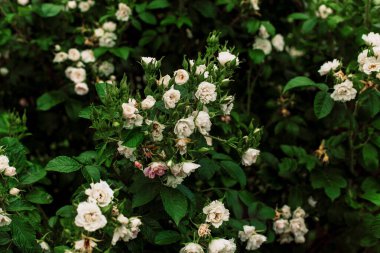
(14, 191)
(10, 171)
(155, 169)
(138, 165)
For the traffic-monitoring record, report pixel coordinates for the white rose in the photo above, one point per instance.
(371, 39)
(123, 12)
(121, 232)
(84, 6)
(164, 80)
(173, 182)
(73, 54)
(90, 217)
(171, 98)
(200, 70)
(126, 151)
(87, 56)
(203, 122)
(122, 219)
(226, 57)
(299, 213)
(344, 92)
(298, 227)
(222, 246)
(247, 232)
(4, 71)
(286, 213)
(255, 4)
(10, 171)
(71, 4)
(216, 213)
(250, 156)
(81, 89)
(78, 75)
(101, 193)
(206, 92)
(329, 66)
(263, 45)
(228, 106)
(157, 129)
(149, 60)
(84, 245)
(4, 219)
(181, 145)
(184, 127)
(148, 102)
(281, 226)
(181, 76)
(109, 26)
(263, 33)
(98, 32)
(4, 163)
(278, 42)
(44, 246)
(371, 64)
(23, 2)
(106, 68)
(68, 71)
(362, 57)
(14, 191)
(192, 248)
(129, 110)
(60, 57)
(184, 169)
(255, 242)
(323, 11)
(108, 40)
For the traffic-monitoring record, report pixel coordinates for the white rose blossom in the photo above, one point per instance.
(106, 68)
(371, 64)
(148, 103)
(123, 12)
(4, 71)
(128, 230)
(14, 191)
(4, 163)
(81, 89)
(192, 248)
(10, 171)
(84, 245)
(255, 4)
(98, 32)
(60, 57)
(263, 45)
(222, 246)
(109, 26)
(90, 217)
(73, 54)
(312, 202)
(298, 227)
(157, 129)
(202, 122)
(323, 11)
(184, 169)
(329, 66)
(278, 42)
(84, 6)
(372, 39)
(100, 193)
(181, 76)
(344, 92)
(4, 219)
(173, 182)
(281, 226)
(250, 156)
(216, 213)
(127, 152)
(206, 92)
(77, 75)
(228, 105)
(184, 127)
(171, 98)
(255, 242)
(149, 60)
(71, 4)
(87, 56)
(286, 213)
(129, 110)
(23, 2)
(108, 39)
(164, 81)
(299, 213)
(44, 246)
(226, 57)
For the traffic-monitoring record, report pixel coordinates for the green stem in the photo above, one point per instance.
(351, 141)
(367, 15)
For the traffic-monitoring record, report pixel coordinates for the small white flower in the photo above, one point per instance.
(4, 71)
(171, 98)
(164, 80)
(14, 191)
(90, 217)
(344, 92)
(157, 129)
(255, 242)
(200, 70)
(73, 54)
(108, 39)
(226, 57)
(126, 151)
(149, 60)
(100, 192)
(84, 6)
(299, 213)
(286, 213)
(60, 57)
(87, 56)
(323, 11)
(250, 156)
(329, 66)
(247, 232)
(4, 162)
(181, 76)
(77, 75)
(278, 42)
(371, 39)
(129, 110)
(298, 227)
(216, 213)
(123, 12)
(23, 2)
(106, 68)
(109, 26)
(71, 4)
(312, 202)
(222, 246)
(255, 4)
(281, 226)
(371, 64)
(81, 89)
(192, 248)
(362, 57)
(4, 219)
(202, 122)
(98, 32)
(44, 246)
(84, 245)
(206, 92)
(184, 127)
(10, 171)
(263, 33)
(173, 182)
(263, 45)
(184, 169)
(148, 102)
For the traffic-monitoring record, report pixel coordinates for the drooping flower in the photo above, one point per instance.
(127, 152)
(81, 89)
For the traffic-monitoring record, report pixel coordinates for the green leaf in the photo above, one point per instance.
(158, 4)
(269, 27)
(23, 234)
(175, 203)
(99, 51)
(50, 10)
(4, 238)
(298, 16)
(91, 173)
(168, 20)
(148, 18)
(121, 52)
(20, 205)
(167, 237)
(373, 197)
(252, 26)
(85, 113)
(257, 56)
(66, 211)
(50, 99)
(330, 180)
(39, 196)
(206, 8)
(63, 164)
(141, 196)
(297, 82)
(235, 171)
(370, 157)
(309, 25)
(323, 104)
(101, 89)
(208, 168)
(135, 140)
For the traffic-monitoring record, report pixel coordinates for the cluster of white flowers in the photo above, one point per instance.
(106, 35)
(131, 114)
(254, 240)
(323, 11)
(5, 168)
(4, 219)
(369, 59)
(89, 215)
(263, 43)
(128, 229)
(83, 6)
(291, 229)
